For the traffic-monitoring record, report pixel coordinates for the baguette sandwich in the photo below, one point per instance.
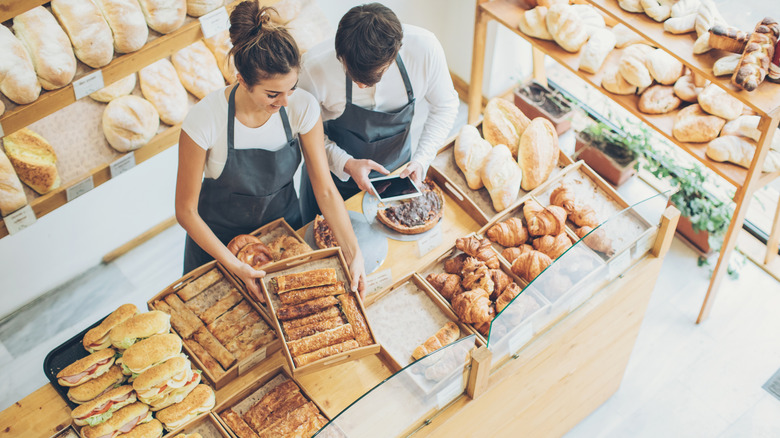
(147, 353)
(139, 327)
(151, 429)
(155, 385)
(97, 338)
(102, 408)
(123, 421)
(92, 389)
(87, 368)
(199, 401)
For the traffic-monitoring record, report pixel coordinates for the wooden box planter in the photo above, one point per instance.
(699, 239)
(616, 170)
(533, 100)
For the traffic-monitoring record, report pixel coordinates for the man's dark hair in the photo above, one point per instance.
(368, 38)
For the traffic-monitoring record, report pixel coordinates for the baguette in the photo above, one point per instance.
(321, 340)
(164, 16)
(18, 80)
(305, 309)
(308, 358)
(316, 327)
(298, 296)
(48, 46)
(355, 319)
(127, 23)
(188, 317)
(92, 41)
(221, 306)
(327, 313)
(205, 358)
(237, 425)
(301, 280)
(200, 284)
(214, 348)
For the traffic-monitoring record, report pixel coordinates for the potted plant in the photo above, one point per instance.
(611, 154)
(536, 100)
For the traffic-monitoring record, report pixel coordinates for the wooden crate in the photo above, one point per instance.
(332, 258)
(229, 403)
(241, 367)
(207, 425)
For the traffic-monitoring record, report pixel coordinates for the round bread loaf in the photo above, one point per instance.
(120, 88)
(686, 90)
(197, 8)
(695, 126)
(663, 67)
(614, 82)
(240, 241)
(129, 122)
(538, 153)
(658, 99)
(718, 102)
(504, 123)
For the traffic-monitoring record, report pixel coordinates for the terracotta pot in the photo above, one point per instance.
(532, 110)
(606, 166)
(699, 239)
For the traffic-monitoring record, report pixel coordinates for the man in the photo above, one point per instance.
(374, 85)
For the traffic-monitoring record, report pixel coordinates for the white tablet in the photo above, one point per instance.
(394, 188)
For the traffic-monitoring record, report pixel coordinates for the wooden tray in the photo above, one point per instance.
(324, 258)
(238, 368)
(208, 426)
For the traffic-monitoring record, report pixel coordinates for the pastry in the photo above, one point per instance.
(218, 351)
(707, 17)
(237, 243)
(305, 309)
(581, 215)
(18, 80)
(129, 122)
(287, 246)
(48, 46)
(200, 284)
(190, 321)
(552, 246)
(255, 255)
(323, 235)
(507, 296)
(298, 296)
(658, 10)
(470, 152)
(532, 23)
(314, 328)
(502, 177)
(596, 50)
(164, 16)
(544, 220)
(327, 313)
(321, 340)
(718, 102)
(198, 70)
(356, 319)
(566, 27)
(590, 17)
(120, 88)
(596, 240)
(237, 424)
(663, 67)
(127, 23)
(160, 85)
(220, 307)
(695, 126)
(445, 336)
(728, 38)
(510, 254)
(530, 264)
(232, 322)
(88, 31)
(746, 126)
(479, 249)
(302, 280)
(250, 340)
(680, 25)
(416, 215)
(476, 275)
(448, 285)
(33, 159)
(633, 66)
(631, 6)
(308, 358)
(702, 44)
(538, 153)
(12, 195)
(740, 151)
(754, 64)
(473, 306)
(686, 90)
(658, 99)
(504, 123)
(726, 65)
(454, 265)
(510, 232)
(501, 281)
(208, 361)
(684, 8)
(614, 82)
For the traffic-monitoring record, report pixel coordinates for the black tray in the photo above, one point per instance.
(64, 355)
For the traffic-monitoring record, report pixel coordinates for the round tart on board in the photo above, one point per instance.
(415, 215)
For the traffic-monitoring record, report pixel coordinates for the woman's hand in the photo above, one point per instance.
(414, 171)
(249, 276)
(358, 270)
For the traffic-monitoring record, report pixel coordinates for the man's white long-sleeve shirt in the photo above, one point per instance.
(322, 75)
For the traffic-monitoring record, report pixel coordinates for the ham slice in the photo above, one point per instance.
(131, 424)
(75, 378)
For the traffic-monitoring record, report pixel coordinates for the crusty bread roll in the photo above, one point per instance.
(658, 10)
(614, 82)
(590, 17)
(197, 8)
(633, 66)
(160, 85)
(663, 67)
(129, 122)
(33, 159)
(220, 46)
(470, 152)
(680, 25)
(658, 99)
(18, 80)
(504, 123)
(596, 50)
(686, 90)
(746, 126)
(566, 27)
(197, 69)
(92, 41)
(702, 44)
(12, 195)
(164, 16)
(48, 46)
(127, 23)
(726, 65)
(533, 23)
(502, 177)
(625, 37)
(693, 125)
(122, 87)
(538, 153)
(631, 5)
(718, 102)
(740, 151)
(707, 16)
(685, 7)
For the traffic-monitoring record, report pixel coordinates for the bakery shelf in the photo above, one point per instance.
(11, 8)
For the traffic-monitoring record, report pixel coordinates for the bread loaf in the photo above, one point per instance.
(633, 66)
(718, 102)
(680, 25)
(693, 125)
(18, 80)
(657, 10)
(625, 37)
(707, 16)
(160, 86)
(754, 64)
(599, 45)
(164, 16)
(48, 47)
(122, 87)
(686, 90)
(740, 151)
(12, 195)
(631, 5)
(470, 152)
(197, 8)
(658, 99)
(197, 69)
(566, 27)
(129, 122)
(220, 46)
(502, 177)
(663, 67)
(728, 38)
(685, 7)
(92, 41)
(504, 123)
(702, 44)
(533, 23)
(538, 153)
(127, 23)
(726, 65)
(34, 160)
(746, 126)
(590, 17)
(614, 82)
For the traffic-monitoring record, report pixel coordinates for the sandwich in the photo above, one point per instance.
(154, 385)
(97, 338)
(152, 429)
(151, 351)
(121, 422)
(139, 327)
(199, 401)
(188, 435)
(87, 368)
(98, 386)
(102, 408)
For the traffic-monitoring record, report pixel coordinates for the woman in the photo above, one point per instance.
(240, 146)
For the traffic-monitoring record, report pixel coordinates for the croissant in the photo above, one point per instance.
(447, 285)
(530, 264)
(510, 254)
(553, 246)
(477, 275)
(597, 241)
(473, 306)
(544, 220)
(484, 328)
(478, 248)
(500, 280)
(445, 336)
(581, 215)
(507, 296)
(510, 232)
(454, 265)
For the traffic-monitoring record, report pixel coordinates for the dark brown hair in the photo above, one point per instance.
(368, 38)
(261, 48)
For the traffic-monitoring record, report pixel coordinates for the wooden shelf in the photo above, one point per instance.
(11, 8)
(508, 14)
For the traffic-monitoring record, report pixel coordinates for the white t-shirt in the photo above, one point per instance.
(436, 104)
(206, 124)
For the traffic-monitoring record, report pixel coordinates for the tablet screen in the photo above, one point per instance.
(394, 187)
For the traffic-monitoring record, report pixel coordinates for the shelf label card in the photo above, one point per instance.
(122, 164)
(79, 188)
(449, 393)
(88, 84)
(430, 241)
(521, 337)
(251, 361)
(20, 219)
(619, 264)
(378, 281)
(214, 22)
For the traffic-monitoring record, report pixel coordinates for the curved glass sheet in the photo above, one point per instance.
(407, 398)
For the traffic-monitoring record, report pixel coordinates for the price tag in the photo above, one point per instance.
(214, 22)
(20, 219)
(88, 84)
(378, 281)
(449, 393)
(619, 264)
(250, 362)
(429, 242)
(79, 188)
(122, 165)
(521, 337)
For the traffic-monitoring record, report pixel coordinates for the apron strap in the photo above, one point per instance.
(286, 123)
(231, 116)
(405, 77)
(349, 87)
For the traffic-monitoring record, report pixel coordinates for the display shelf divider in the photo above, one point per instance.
(479, 374)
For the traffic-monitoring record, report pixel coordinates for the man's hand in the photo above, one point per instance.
(414, 171)
(359, 170)
(249, 276)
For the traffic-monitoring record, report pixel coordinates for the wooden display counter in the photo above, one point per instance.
(550, 385)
